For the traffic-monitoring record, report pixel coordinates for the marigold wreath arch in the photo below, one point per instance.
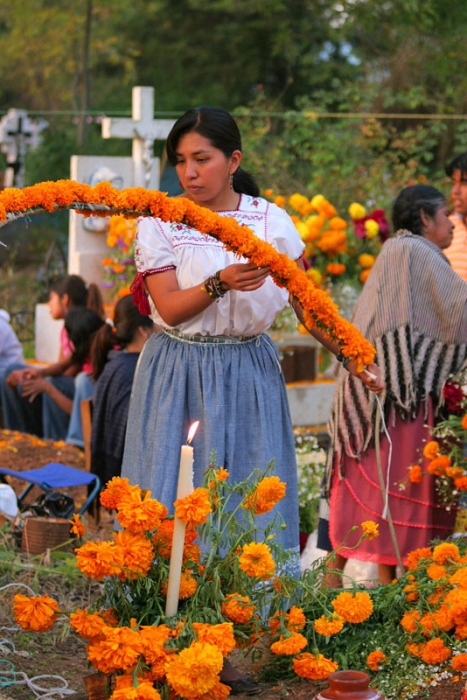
(104, 200)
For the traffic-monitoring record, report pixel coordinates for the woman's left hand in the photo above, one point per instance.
(33, 387)
(371, 377)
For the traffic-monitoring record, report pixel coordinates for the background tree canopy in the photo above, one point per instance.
(279, 64)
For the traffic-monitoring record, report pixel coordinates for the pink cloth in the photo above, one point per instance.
(65, 343)
(357, 497)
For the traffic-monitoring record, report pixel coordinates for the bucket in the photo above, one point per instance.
(41, 533)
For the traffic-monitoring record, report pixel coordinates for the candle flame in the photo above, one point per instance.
(192, 431)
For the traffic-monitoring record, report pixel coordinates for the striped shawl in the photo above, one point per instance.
(413, 308)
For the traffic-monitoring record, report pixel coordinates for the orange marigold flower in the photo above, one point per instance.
(354, 608)
(162, 538)
(411, 592)
(460, 482)
(459, 579)
(464, 422)
(119, 650)
(376, 659)
(138, 554)
(315, 667)
(77, 526)
(415, 474)
(445, 552)
(431, 449)
(459, 662)
(256, 560)
(143, 691)
(370, 529)
(139, 513)
(99, 559)
(336, 269)
(328, 625)
(238, 608)
(439, 465)
(267, 494)
(435, 652)
(289, 646)
(188, 585)
(195, 670)
(414, 557)
(410, 620)
(415, 649)
(194, 508)
(115, 489)
(295, 619)
(88, 625)
(35, 613)
(436, 571)
(427, 624)
(154, 638)
(443, 618)
(221, 635)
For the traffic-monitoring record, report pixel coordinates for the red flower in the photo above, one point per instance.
(453, 397)
(377, 215)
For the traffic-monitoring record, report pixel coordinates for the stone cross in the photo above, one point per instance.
(17, 133)
(143, 129)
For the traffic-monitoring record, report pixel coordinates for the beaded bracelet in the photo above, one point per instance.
(213, 286)
(340, 357)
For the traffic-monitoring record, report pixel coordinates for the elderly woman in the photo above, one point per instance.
(414, 310)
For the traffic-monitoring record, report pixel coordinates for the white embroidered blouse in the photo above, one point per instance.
(194, 256)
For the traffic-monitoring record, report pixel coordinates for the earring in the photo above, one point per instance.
(231, 181)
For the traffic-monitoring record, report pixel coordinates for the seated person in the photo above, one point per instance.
(113, 372)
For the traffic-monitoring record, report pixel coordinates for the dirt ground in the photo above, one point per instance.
(66, 657)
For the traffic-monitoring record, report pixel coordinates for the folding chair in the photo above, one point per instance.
(56, 476)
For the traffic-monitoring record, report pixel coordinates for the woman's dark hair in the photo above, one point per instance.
(457, 163)
(220, 128)
(81, 324)
(127, 320)
(79, 293)
(410, 202)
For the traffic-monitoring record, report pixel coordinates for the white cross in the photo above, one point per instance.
(143, 129)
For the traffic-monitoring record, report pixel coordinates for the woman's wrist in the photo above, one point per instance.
(214, 286)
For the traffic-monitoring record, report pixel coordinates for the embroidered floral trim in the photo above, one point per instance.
(102, 200)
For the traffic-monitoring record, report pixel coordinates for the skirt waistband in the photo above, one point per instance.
(210, 339)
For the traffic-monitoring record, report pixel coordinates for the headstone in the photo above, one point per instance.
(87, 241)
(18, 133)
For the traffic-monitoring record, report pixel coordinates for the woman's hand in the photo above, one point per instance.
(18, 376)
(243, 277)
(33, 386)
(371, 377)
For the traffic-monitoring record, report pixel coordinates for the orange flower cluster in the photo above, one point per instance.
(353, 607)
(376, 659)
(266, 495)
(103, 200)
(37, 614)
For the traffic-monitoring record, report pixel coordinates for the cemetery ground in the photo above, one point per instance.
(59, 652)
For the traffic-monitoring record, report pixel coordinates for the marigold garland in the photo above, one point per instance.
(103, 200)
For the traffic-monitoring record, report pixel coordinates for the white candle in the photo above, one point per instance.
(184, 488)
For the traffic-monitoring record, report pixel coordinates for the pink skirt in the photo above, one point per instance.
(356, 497)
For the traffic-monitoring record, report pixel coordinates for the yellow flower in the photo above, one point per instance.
(357, 211)
(303, 230)
(315, 667)
(194, 508)
(267, 494)
(353, 608)
(315, 275)
(195, 670)
(298, 202)
(256, 560)
(371, 228)
(35, 613)
(370, 529)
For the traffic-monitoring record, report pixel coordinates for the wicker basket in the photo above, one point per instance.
(41, 533)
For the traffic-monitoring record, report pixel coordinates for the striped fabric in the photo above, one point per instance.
(457, 251)
(414, 310)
